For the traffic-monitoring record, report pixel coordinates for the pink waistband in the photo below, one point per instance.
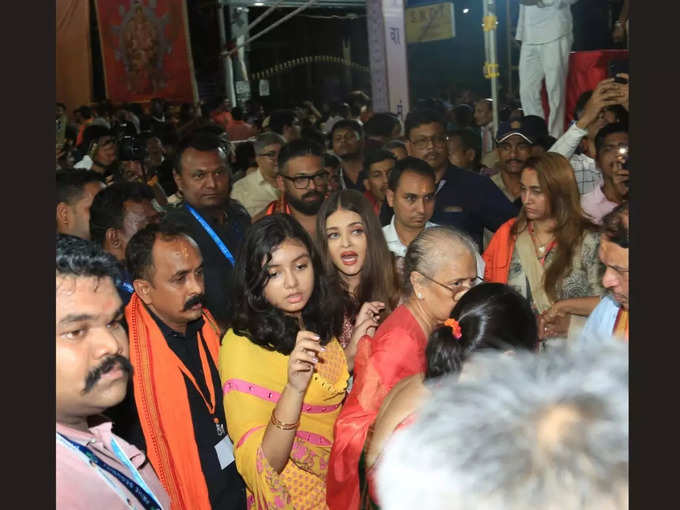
(270, 395)
(310, 437)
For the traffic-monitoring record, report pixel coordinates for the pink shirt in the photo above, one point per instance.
(82, 486)
(596, 205)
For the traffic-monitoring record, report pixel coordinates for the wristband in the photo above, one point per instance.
(283, 426)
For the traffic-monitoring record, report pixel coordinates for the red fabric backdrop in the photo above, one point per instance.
(146, 50)
(586, 70)
(73, 55)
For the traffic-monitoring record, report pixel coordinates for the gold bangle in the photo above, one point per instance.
(283, 426)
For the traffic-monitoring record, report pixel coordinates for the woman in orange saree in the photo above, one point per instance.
(439, 266)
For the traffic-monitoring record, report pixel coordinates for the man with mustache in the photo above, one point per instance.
(208, 214)
(174, 343)
(94, 467)
(514, 143)
(303, 182)
(465, 200)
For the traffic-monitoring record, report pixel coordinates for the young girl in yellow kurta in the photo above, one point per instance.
(284, 374)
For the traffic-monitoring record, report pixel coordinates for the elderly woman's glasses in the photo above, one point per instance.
(457, 285)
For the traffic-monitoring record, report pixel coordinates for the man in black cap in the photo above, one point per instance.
(513, 144)
(465, 200)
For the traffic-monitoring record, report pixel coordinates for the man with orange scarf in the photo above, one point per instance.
(174, 345)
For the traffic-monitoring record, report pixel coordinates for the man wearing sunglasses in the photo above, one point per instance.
(303, 182)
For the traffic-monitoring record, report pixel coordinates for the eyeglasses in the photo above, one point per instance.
(423, 142)
(302, 181)
(458, 285)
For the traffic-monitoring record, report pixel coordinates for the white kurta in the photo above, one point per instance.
(545, 30)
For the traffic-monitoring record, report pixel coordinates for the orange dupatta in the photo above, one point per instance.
(396, 351)
(163, 407)
(498, 254)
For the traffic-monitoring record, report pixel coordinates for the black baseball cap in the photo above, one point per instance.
(515, 127)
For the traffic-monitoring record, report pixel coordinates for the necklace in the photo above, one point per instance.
(541, 249)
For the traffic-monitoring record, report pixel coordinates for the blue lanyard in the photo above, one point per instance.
(143, 495)
(127, 286)
(223, 247)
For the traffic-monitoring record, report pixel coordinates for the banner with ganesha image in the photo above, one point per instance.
(146, 50)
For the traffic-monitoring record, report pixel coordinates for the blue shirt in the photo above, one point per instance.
(471, 202)
(600, 323)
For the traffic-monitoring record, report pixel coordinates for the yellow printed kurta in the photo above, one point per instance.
(252, 379)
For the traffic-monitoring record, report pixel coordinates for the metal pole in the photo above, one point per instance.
(491, 64)
(229, 90)
(508, 42)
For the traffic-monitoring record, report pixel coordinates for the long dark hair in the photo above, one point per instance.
(254, 316)
(490, 316)
(379, 278)
(557, 181)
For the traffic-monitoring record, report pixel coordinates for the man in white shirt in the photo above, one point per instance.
(259, 188)
(411, 194)
(484, 119)
(545, 29)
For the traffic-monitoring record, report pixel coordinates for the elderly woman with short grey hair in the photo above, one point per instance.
(439, 267)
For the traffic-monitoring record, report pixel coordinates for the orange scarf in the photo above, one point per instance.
(498, 254)
(278, 206)
(163, 407)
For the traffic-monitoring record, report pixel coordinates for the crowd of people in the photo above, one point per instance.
(301, 310)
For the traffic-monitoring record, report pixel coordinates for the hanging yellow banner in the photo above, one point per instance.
(429, 23)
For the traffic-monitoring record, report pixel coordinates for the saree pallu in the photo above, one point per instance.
(253, 378)
(396, 351)
(367, 483)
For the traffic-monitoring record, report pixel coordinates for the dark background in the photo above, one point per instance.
(435, 68)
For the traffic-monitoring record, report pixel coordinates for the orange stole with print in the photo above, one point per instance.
(621, 324)
(163, 407)
(278, 206)
(252, 379)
